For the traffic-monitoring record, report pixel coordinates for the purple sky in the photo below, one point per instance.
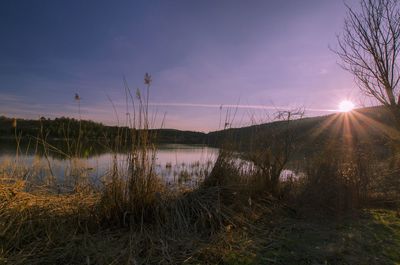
(257, 55)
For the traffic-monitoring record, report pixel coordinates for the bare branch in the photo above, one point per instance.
(369, 48)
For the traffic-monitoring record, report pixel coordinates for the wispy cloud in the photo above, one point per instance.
(194, 116)
(238, 106)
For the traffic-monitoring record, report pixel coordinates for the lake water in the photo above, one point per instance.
(174, 163)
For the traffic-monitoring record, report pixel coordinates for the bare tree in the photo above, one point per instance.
(369, 48)
(275, 147)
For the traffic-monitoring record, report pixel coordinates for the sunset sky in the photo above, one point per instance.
(257, 55)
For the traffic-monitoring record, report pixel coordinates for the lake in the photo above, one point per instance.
(174, 163)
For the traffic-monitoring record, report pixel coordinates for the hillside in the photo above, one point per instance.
(367, 125)
(68, 128)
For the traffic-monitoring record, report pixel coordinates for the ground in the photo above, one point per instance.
(44, 229)
(370, 237)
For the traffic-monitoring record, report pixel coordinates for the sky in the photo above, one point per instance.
(209, 60)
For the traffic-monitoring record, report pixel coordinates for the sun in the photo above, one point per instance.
(346, 106)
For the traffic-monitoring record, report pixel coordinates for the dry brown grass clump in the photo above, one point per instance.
(31, 223)
(175, 228)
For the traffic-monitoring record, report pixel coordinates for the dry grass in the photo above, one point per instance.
(88, 228)
(229, 219)
(32, 222)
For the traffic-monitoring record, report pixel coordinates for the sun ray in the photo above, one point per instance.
(378, 126)
(317, 131)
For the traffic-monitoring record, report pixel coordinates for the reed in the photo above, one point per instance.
(134, 218)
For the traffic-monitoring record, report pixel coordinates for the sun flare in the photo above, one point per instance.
(346, 106)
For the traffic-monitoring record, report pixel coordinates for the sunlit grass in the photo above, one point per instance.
(372, 238)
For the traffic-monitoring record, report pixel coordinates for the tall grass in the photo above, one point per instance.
(135, 219)
(134, 211)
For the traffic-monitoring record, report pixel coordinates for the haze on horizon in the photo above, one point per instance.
(204, 57)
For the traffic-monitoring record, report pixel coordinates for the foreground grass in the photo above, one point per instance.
(371, 237)
(42, 228)
(45, 228)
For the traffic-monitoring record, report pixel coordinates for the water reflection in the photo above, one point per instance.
(175, 163)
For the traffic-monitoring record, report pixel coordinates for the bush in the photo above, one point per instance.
(331, 185)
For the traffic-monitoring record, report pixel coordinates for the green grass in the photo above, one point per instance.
(373, 237)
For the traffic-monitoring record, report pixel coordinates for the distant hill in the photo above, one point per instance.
(62, 128)
(368, 125)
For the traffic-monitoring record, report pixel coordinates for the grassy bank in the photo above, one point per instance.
(213, 226)
(371, 236)
(232, 217)
(43, 228)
